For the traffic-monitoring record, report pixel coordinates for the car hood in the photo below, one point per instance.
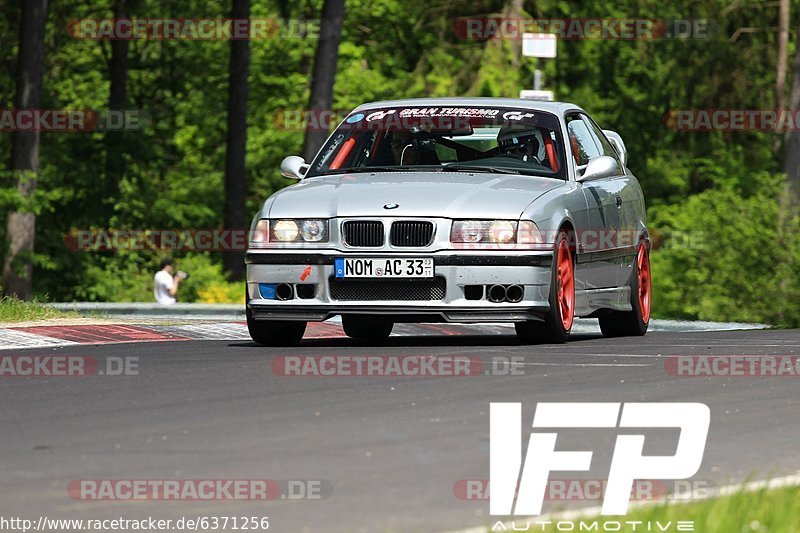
(417, 194)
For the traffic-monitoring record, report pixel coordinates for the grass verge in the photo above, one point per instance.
(14, 310)
(763, 511)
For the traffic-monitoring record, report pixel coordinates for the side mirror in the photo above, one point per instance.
(600, 167)
(294, 167)
(619, 144)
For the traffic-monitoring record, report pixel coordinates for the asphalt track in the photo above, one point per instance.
(392, 448)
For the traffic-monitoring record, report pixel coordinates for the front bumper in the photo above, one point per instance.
(457, 270)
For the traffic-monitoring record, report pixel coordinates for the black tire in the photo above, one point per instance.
(552, 329)
(367, 328)
(275, 332)
(630, 323)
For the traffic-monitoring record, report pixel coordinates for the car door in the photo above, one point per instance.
(603, 201)
(627, 197)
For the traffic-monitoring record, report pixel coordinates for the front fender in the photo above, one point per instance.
(555, 208)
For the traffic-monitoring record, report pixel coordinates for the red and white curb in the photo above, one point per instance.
(54, 336)
(51, 336)
(12, 338)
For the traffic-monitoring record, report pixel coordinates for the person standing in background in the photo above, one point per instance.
(165, 284)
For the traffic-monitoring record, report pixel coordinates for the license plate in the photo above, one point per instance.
(383, 267)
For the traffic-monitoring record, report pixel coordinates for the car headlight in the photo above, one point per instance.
(305, 230)
(314, 230)
(494, 232)
(502, 231)
(285, 230)
(483, 231)
(467, 231)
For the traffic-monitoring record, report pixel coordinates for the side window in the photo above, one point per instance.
(583, 146)
(603, 142)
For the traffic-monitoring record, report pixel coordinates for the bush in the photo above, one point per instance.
(723, 255)
(128, 277)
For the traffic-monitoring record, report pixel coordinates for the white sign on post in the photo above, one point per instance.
(528, 94)
(539, 45)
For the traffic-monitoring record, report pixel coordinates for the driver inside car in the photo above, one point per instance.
(519, 143)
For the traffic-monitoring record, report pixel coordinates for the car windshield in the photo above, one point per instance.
(445, 139)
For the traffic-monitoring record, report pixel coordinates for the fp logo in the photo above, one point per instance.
(627, 462)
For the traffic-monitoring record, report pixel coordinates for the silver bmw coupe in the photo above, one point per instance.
(454, 210)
